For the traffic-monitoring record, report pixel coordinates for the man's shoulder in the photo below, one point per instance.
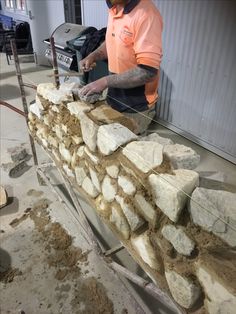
(147, 7)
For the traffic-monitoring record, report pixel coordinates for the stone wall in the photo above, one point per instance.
(140, 186)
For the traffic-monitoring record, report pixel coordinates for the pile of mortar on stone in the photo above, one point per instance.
(64, 258)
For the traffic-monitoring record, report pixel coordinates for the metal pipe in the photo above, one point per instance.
(23, 98)
(54, 62)
(30, 85)
(3, 103)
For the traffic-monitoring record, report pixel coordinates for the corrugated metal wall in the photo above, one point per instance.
(198, 78)
(198, 81)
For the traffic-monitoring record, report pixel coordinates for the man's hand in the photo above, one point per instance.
(95, 87)
(87, 64)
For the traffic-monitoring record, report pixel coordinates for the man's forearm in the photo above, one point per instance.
(100, 53)
(135, 77)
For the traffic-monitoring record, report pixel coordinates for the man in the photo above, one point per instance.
(133, 48)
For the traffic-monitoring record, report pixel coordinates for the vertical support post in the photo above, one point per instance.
(54, 62)
(23, 98)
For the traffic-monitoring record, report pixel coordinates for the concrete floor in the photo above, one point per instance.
(34, 288)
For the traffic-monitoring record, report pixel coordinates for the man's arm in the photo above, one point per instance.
(99, 54)
(137, 76)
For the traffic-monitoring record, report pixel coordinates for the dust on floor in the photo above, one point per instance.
(53, 258)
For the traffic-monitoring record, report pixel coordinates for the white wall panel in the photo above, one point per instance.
(94, 13)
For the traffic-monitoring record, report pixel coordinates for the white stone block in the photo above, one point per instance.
(127, 185)
(144, 155)
(112, 136)
(102, 206)
(118, 219)
(92, 157)
(145, 208)
(59, 133)
(77, 139)
(80, 175)
(134, 220)
(89, 188)
(142, 245)
(168, 191)
(178, 238)
(109, 189)
(65, 153)
(78, 108)
(89, 132)
(184, 290)
(214, 211)
(113, 171)
(49, 92)
(219, 299)
(80, 151)
(95, 179)
(35, 109)
(182, 157)
(68, 171)
(154, 137)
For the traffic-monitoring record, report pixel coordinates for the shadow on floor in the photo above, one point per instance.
(24, 71)
(5, 260)
(9, 92)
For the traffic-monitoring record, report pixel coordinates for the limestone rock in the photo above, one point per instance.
(127, 186)
(3, 197)
(80, 175)
(95, 179)
(65, 153)
(144, 155)
(112, 136)
(95, 159)
(36, 109)
(184, 290)
(89, 188)
(182, 157)
(178, 238)
(143, 246)
(59, 132)
(68, 171)
(109, 189)
(80, 151)
(134, 220)
(217, 275)
(167, 191)
(89, 132)
(102, 206)
(214, 204)
(77, 139)
(113, 171)
(146, 209)
(69, 87)
(77, 108)
(48, 91)
(154, 137)
(118, 219)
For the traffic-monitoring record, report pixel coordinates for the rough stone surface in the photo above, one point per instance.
(112, 136)
(127, 186)
(182, 157)
(56, 96)
(154, 137)
(102, 206)
(109, 189)
(214, 204)
(65, 153)
(95, 179)
(142, 245)
(220, 300)
(89, 132)
(178, 238)
(118, 219)
(134, 220)
(167, 191)
(185, 291)
(88, 186)
(92, 157)
(80, 175)
(18, 153)
(144, 155)
(80, 151)
(68, 171)
(113, 171)
(3, 197)
(35, 108)
(145, 208)
(77, 108)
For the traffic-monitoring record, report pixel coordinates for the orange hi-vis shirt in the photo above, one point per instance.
(133, 38)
